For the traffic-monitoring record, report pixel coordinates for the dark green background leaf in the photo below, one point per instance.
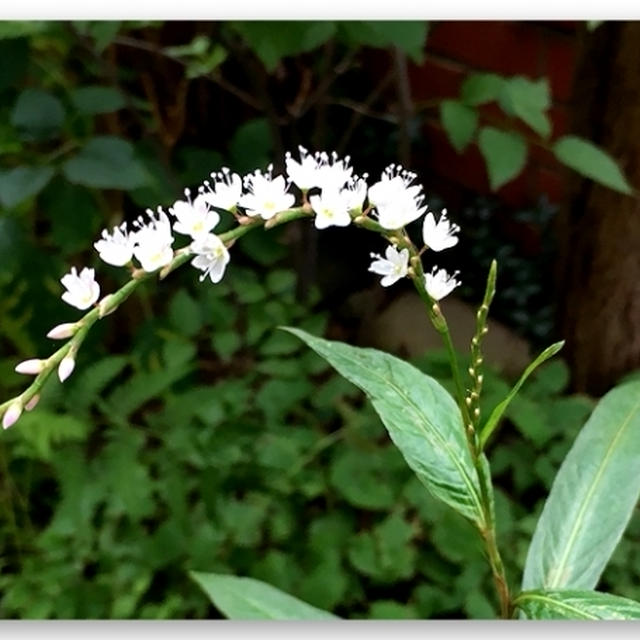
(106, 162)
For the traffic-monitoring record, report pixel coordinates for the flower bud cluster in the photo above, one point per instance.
(337, 198)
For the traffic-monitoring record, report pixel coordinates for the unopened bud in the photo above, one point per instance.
(63, 331)
(480, 379)
(32, 403)
(472, 372)
(30, 367)
(65, 368)
(468, 401)
(106, 306)
(476, 413)
(11, 415)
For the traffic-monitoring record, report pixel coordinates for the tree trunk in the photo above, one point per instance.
(599, 269)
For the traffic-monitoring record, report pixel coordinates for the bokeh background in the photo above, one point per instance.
(193, 434)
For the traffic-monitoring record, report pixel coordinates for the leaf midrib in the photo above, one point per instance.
(585, 502)
(467, 481)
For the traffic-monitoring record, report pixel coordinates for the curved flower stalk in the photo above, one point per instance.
(331, 194)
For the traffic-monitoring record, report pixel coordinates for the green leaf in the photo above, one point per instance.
(459, 122)
(592, 497)
(592, 162)
(421, 417)
(497, 413)
(409, 36)
(21, 183)
(576, 605)
(505, 154)
(479, 88)
(106, 162)
(274, 40)
(251, 145)
(528, 100)
(37, 114)
(10, 29)
(249, 599)
(97, 99)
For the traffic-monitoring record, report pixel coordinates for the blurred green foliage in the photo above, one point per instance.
(193, 434)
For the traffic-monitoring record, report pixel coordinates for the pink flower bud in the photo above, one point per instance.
(63, 331)
(30, 367)
(11, 415)
(65, 368)
(32, 403)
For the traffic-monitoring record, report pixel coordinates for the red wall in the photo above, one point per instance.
(533, 49)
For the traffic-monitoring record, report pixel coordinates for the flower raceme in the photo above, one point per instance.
(338, 198)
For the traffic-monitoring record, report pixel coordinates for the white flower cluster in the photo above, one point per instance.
(338, 197)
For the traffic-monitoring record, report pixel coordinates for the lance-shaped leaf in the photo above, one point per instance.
(568, 604)
(592, 497)
(249, 599)
(422, 418)
(498, 412)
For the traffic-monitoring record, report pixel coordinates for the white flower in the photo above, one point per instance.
(81, 290)
(116, 248)
(193, 218)
(439, 283)
(397, 201)
(393, 268)
(331, 208)
(332, 172)
(318, 170)
(303, 174)
(226, 190)
(153, 241)
(267, 195)
(441, 235)
(212, 257)
(355, 192)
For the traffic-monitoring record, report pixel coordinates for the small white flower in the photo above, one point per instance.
(193, 218)
(331, 208)
(396, 199)
(11, 415)
(153, 241)
(267, 195)
(30, 367)
(212, 257)
(81, 290)
(226, 191)
(332, 172)
(441, 235)
(66, 367)
(63, 331)
(394, 267)
(303, 174)
(439, 283)
(355, 191)
(116, 248)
